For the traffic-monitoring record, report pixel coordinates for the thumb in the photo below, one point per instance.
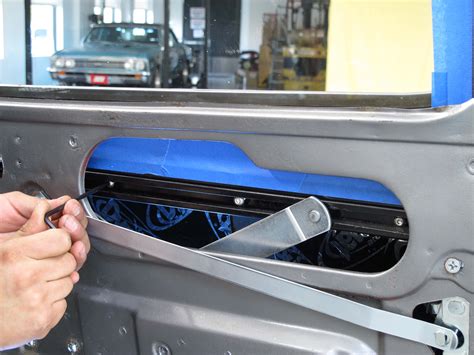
(35, 223)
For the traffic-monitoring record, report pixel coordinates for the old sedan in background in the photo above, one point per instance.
(121, 55)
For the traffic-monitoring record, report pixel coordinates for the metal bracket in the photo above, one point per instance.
(295, 224)
(454, 313)
(295, 293)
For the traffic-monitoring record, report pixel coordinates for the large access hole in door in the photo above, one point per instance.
(193, 193)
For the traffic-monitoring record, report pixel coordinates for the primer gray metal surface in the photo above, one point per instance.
(424, 156)
(294, 293)
(277, 232)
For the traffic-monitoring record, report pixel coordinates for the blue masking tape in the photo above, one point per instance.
(224, 163)
(452, 40)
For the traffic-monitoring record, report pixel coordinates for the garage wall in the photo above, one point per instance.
(12, 66)
(380, 46)
(176, 15)
(76, 23)
(76, 26)
(252, 21)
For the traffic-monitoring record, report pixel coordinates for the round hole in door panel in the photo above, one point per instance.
(193, 193)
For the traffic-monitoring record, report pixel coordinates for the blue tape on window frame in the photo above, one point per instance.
(225, 163)
(453, 55)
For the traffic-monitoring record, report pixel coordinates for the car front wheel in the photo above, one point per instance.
(155, 81)
(183, 80)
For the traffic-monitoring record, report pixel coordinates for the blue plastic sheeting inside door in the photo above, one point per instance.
(224, 163)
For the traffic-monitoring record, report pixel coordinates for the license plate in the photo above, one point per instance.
(99, 79)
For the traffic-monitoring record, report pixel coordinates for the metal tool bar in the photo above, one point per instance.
(295, 293)
(280, 231)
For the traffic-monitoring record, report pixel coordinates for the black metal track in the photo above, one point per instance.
(353, 216)
(220, 97)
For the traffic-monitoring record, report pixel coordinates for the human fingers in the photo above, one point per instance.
(78, 250)
(23, 203)
(75, 209)
(56, 268)
(80, 239)
(75, 277)
(48, 244)
(57, 312)
(58, 290)
(16, 209)
(35, 222)
(76, 230)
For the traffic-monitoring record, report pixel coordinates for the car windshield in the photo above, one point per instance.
(124, 34)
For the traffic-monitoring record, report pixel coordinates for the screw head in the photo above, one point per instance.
(314, 216)
(122, 331)
(453, 265)
(441, 338)
(239, 201)
(33, 344)
(399, 222)
(456, 307)
(73, 346)
(470, 166)
(73, 142)
(160, 349)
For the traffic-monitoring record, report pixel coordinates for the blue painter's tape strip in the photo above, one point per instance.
(452, 39)
(224, 163)
(440, 89)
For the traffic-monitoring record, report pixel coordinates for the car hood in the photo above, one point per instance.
(113, 50)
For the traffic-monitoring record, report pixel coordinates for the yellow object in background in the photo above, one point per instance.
(304, 68)
(380, 46)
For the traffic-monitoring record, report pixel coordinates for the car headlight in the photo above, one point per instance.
(59, 62)
(129, 64)
(140, 65)
(69, 63)
(135, 64)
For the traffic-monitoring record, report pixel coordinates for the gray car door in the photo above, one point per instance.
(131, 302)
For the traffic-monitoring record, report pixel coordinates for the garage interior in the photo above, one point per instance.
(317, 198)
(310, 45)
